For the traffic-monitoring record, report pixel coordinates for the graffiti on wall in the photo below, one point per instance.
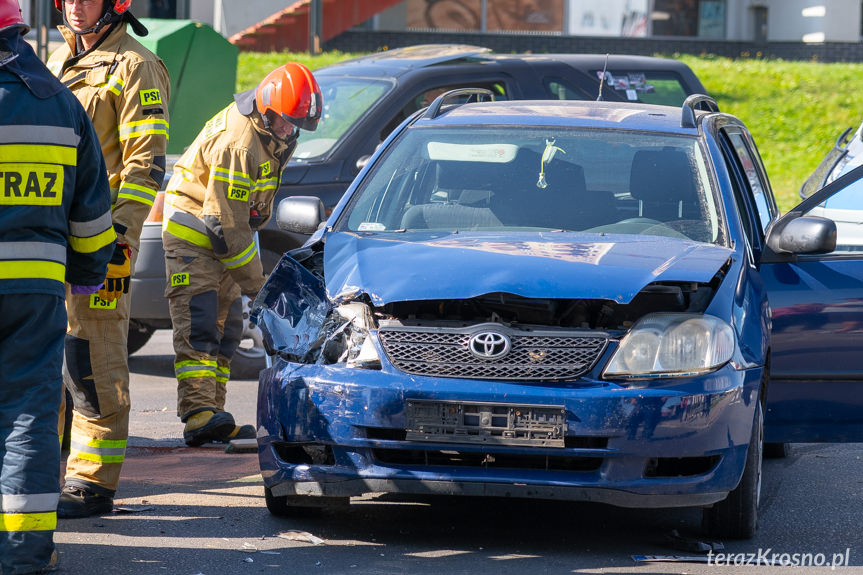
(501, 15)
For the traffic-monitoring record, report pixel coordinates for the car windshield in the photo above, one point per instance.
(536, 178)
(346, 100)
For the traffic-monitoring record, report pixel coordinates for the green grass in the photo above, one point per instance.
(795, 110)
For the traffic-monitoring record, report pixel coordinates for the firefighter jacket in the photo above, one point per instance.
(55, 218)
(222, 190)
(124, 88)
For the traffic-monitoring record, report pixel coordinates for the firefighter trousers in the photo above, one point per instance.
(207, 318)
(96, 373)
(31, 360)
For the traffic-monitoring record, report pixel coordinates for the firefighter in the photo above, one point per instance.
(220, 193)
(124, 87)
(55, 227)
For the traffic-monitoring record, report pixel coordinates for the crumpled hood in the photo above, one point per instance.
(430, 266)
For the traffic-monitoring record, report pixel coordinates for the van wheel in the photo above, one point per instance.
(736, 517)
(139, 334)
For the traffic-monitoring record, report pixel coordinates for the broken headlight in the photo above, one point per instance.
(672, 345)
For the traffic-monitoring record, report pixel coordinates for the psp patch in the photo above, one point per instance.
(181, 279)
(98, 303)
(239, 194)
(265, 169)
(150, 97)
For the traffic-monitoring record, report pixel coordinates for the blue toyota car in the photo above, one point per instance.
(588, 301)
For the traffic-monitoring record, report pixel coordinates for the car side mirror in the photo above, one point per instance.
(300, 214)
(803, 235)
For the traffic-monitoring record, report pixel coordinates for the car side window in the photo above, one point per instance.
(425, 97)
(752, 168)
(561, 89)
(738, 178)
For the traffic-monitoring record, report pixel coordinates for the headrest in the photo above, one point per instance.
(662, 176)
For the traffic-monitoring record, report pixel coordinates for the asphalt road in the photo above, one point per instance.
(201, 511)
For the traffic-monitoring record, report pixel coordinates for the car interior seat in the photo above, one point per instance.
(457, 196)
(663, 182)
(560, 205)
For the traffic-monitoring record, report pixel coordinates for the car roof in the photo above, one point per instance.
(559, 113)
(399, 61)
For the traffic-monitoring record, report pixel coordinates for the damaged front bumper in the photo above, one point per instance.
(336, 431)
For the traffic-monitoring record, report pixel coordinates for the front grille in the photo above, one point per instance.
(535, 355)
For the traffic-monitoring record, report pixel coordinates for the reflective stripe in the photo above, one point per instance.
(28, 502)
(28, 521)
(223, 374)
(97, 450)
(235, 178)
(92, 243)
(115, 84)
(91, 227)
(185, 226)
(18, 270)
(189, 368)
(26, 134)
(137, 193)
(88, 237)
(242, 259)
(143, 128)
(27, 260)
(38, 154)
(267, 184)
(33, 250)
(187, 234)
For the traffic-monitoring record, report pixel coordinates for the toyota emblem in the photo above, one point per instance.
(488, 344)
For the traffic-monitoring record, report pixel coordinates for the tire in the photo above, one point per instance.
(139, 334)
(251, 357)
(280, 507)
(776, 450)
(736, 517)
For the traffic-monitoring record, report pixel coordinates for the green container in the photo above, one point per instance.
(203, 69)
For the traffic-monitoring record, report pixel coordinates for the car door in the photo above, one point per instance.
(816, 372)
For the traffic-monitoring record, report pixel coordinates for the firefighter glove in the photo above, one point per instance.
(119, 272)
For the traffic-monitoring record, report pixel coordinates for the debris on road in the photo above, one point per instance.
(305, 536)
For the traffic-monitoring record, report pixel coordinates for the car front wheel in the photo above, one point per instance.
(736, 517)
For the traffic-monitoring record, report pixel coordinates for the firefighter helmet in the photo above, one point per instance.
(293, 93)
(10, 15)
(119, 6)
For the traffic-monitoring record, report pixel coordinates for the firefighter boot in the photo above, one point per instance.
(76, 501)
(207, 426)
(239, 432)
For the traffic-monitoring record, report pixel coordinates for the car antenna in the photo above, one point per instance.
(602, 78)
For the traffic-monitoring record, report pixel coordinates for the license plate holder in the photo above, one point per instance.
(486, 423)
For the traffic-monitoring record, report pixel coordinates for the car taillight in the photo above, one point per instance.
(158, 208)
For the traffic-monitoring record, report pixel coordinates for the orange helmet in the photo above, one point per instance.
(10, 15)
(119, 6)
(293, 93)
